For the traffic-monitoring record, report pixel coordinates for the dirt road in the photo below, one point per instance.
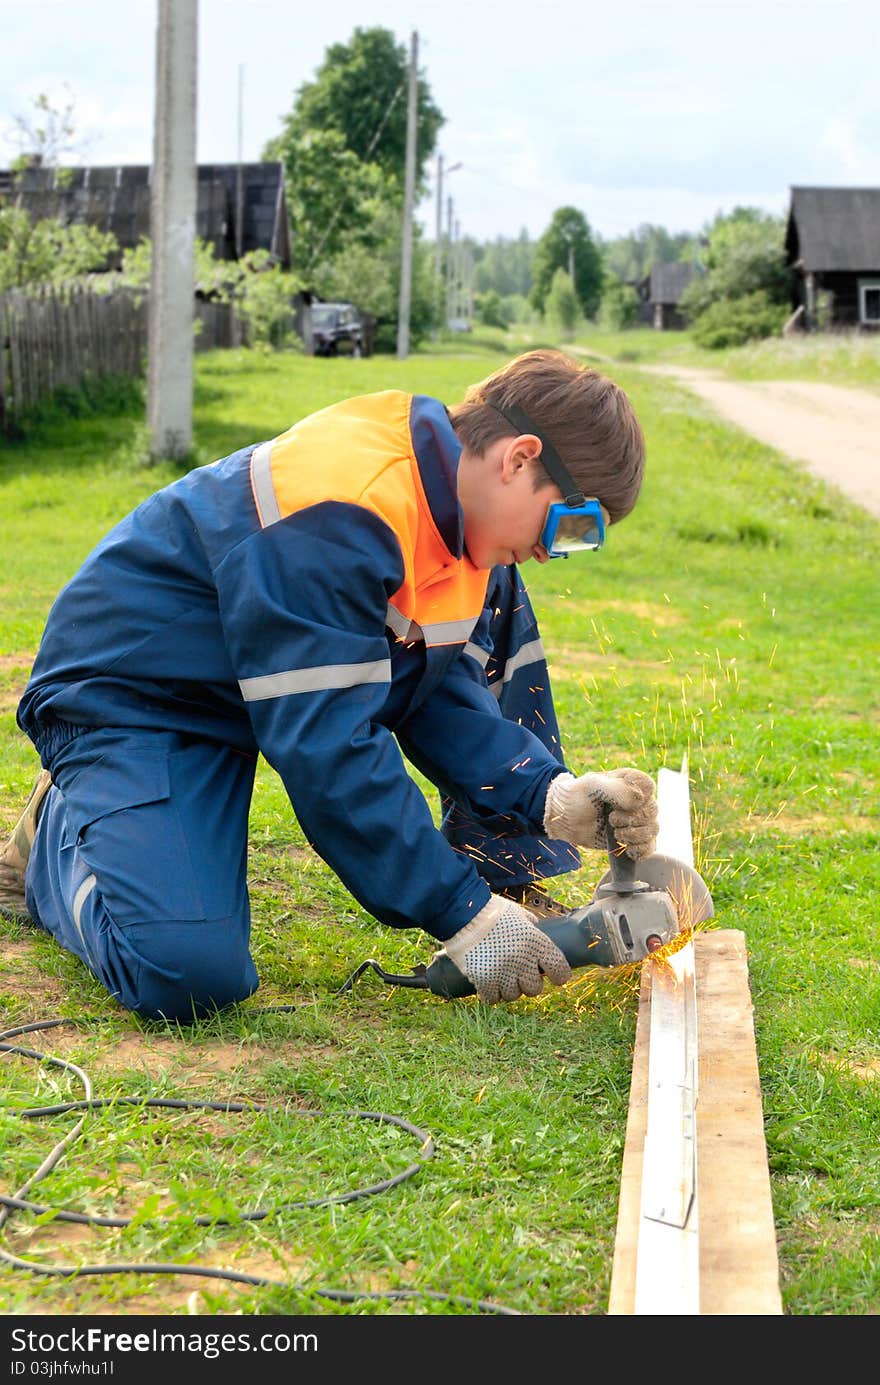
(834, 432)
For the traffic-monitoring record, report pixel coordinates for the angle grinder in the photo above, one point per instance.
(629, 917)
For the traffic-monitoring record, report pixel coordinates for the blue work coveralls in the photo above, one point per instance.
(308, 599)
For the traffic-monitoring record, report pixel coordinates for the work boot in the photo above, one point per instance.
(535, 899)
(17, 849)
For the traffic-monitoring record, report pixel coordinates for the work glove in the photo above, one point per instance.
(576, 810)
(504, 955)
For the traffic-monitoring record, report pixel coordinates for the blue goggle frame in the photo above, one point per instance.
(572, 528)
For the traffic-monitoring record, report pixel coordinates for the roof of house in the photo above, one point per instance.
(117, 199)
(669, 281)
(834, 229)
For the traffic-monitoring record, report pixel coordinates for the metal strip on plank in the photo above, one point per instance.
(667, 1278)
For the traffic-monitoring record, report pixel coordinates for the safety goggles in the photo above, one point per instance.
(573, 524)
(572, 528)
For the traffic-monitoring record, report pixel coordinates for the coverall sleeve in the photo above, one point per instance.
(496, 770)
(303, 604)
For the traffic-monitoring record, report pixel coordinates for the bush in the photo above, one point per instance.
(619, 308)
(47, 251)
(491, 309)
(733, 321)
(264, 295)
(262, 292)
(561, 306)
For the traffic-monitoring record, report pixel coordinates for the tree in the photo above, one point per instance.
(630, 257)
(330, 194)
(48, 132)
(47, 251)
(745, 255)
(359, 91)
(561, 305)
(366, 271)
(568, 244)
(504, 266)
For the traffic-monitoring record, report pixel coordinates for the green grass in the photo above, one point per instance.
(840, 358)
(731, 619)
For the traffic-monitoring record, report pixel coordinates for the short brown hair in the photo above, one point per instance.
(586, 416)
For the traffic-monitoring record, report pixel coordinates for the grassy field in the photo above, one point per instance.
(850, 359)
(733, 619)
(846, 358)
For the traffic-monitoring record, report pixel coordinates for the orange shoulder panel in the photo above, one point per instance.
(360, 452)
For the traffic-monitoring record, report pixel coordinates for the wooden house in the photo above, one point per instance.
(832, 245)
(239, 207)
(660, 293)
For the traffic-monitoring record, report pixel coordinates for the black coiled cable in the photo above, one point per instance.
(21, 1202)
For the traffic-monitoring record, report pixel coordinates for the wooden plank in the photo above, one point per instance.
(723, 1258)
(621, 1300)
(739, 1270)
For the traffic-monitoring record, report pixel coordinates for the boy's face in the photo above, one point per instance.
(503, 513)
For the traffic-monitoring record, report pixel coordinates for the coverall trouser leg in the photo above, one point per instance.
(139, 868)
(517, 674)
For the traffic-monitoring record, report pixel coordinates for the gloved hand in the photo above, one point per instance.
(576, 810)
(504, 955)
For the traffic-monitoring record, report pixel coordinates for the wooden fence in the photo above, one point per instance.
(51, 337)
(60, 336)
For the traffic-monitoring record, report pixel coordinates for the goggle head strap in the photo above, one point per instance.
(550, 458)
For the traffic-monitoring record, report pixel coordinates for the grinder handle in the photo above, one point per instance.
(622, 866)
(581, 937)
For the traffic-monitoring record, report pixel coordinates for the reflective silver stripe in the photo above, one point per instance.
(481, 655)
(397, 621)
(264, 489)
(79, 900)
(320, 679)
(531, 653)
(448, 631)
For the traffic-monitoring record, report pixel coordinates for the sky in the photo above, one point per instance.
(634, 111)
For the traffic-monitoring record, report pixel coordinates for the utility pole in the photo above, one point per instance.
(172, 229)
(438, 250)
(469, 288)
(236, 323)
(439, 291)
(450, 261)
(438, 231)
(408, 201)
(239, 173)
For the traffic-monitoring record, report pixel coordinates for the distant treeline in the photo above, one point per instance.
(504, 265)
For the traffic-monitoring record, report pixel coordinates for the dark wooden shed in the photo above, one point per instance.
(832, 244)
(239, 207)
(660, 293)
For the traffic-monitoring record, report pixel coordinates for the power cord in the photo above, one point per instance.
(20, 1200)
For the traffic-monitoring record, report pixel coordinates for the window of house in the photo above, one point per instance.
(869, 301)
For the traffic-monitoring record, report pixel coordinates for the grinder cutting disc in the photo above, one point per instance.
(685, 886)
